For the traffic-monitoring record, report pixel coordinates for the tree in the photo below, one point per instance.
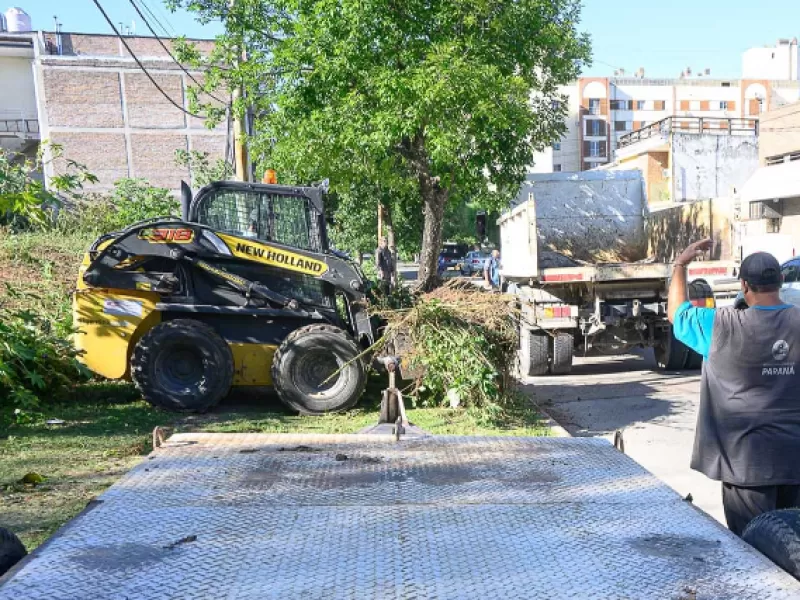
(447, 96)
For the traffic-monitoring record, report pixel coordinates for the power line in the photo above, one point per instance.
(167, 50)
(170, 32)
(139, 63)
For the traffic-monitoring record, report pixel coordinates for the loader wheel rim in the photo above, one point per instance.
(180, 368)
(311, 372)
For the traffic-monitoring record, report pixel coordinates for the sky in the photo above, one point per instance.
(663, 36)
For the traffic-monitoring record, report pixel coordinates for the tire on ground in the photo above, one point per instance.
(534, 355)
(776, 535)
(11, 550)
(304, 362)
(563, 346)
(670, 353)
(182, 365)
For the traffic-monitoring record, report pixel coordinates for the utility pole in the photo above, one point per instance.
(241, 161)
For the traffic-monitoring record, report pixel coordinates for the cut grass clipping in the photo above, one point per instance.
(463, 341)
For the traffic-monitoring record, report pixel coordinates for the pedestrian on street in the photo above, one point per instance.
(748, 425)
(491, 270)
(384, 263)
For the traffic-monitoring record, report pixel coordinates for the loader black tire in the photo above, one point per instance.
(182, 365)
(563, 346)
(776, 535)
(670, 353)
(306, 358)
(11, 550)
(534, 355)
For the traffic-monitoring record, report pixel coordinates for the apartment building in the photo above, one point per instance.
(603, 109)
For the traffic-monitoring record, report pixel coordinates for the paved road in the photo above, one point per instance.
(656, 410)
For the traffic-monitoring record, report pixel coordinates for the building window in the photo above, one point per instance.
(557, 146)
(594, 106)
(619, 104)
(640, 105)
(660, 105)
(594, 149)
(621, 125)
(595, 127)
(556, 104)
(556, 168)
(723, 105)
(726, 84)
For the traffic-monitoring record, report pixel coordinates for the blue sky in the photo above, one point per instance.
(663, 36)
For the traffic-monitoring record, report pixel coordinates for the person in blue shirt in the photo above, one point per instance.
(491, 270)
(748, 422)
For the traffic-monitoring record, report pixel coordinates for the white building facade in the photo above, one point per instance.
(603, 109)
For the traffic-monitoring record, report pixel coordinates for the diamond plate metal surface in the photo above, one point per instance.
(286, 516)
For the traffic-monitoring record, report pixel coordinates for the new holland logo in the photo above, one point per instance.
(274, 256)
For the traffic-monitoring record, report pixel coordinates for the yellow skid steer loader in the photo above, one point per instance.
(242, 290)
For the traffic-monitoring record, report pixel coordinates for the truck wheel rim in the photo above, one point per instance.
(311, 372)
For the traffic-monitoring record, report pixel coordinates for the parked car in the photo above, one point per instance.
(473, 263)
(790, 290)
(451, 257)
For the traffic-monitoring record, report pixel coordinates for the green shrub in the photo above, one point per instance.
(37, 364)
(131, 201)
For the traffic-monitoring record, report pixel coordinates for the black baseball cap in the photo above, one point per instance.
(761, 268)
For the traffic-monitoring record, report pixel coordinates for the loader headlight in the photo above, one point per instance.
(218, 244)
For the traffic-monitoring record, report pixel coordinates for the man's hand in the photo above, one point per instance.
(693, 251)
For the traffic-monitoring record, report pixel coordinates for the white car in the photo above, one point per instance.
(790, 290)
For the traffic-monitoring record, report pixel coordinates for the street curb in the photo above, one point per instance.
(556, 429)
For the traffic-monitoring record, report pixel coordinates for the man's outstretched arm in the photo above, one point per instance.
(691, 325)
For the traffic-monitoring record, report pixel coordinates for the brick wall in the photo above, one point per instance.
(153, 157)
(82, 98)
(147, 108)
(104, 154)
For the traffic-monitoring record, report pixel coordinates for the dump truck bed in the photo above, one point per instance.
(362, 516)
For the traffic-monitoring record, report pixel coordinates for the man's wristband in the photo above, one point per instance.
(677, 264)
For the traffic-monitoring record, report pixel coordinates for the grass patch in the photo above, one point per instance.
(107, 430)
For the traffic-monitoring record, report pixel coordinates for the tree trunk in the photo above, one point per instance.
(434, 199)
(389, 228)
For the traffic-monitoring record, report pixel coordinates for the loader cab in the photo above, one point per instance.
(287, 215)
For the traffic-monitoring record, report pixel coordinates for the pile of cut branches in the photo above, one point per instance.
(463, 340)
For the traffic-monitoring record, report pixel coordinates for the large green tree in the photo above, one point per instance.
(444, 97)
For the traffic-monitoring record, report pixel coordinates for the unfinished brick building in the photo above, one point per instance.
(90, 97)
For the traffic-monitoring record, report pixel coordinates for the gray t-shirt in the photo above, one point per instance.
(748, 426)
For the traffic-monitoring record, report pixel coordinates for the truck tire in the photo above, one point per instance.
(534, 355)
(306, 358)
(182, 365)
(776, 535)
(563, 345)
(670, 353)
(11, 550)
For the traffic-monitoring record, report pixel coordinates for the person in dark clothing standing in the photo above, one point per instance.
(384, 262)
(748, 425)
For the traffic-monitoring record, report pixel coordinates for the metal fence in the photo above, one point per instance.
(20, 127)
(696, 125)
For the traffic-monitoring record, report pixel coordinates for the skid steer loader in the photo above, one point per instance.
(242, 290)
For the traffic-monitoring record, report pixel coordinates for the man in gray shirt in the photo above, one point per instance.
(748, 425)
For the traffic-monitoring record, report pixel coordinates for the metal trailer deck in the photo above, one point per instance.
(362, 516)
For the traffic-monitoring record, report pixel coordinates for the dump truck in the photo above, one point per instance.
(284, 516)
(607, 307)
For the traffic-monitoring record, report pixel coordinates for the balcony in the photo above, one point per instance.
(24, 129)
(697, 125)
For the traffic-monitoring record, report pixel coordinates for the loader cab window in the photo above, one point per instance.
(284, 219)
